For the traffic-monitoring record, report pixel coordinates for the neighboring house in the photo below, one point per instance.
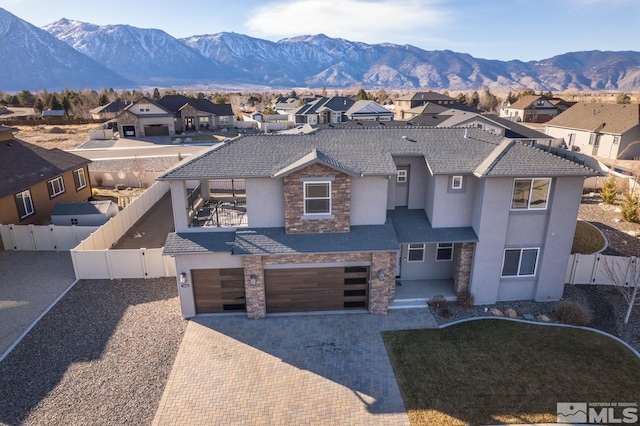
(145, 118)
(197, 114)
(603, 130)
(322, 110)
(530, 109)
(34, 179)
(368, 111)
(405, 104)
(108, 111)
(331, 220)
(83, 213)
(285, 105)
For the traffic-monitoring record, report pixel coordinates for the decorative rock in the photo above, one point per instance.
(187, 140)
(617, 210)
(633, 233)
(528, 317)
(497, 312)
(511, 313)
(544, 318)
(177, 140)
(616, 220)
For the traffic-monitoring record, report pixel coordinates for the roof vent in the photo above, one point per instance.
(404, 137)
(465, 133)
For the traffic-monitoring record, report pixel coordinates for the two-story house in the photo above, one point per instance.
(604, 130)
(530, 109)
(406, 106)
(334, 219)
(34, 179)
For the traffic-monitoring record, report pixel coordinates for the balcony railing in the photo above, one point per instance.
(217, 213)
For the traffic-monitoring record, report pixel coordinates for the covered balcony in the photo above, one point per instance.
(218, 203)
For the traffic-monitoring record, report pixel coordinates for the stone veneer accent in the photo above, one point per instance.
(462, 262)
(381, 292)
(127, 118)
(294, 201)
(254, 294)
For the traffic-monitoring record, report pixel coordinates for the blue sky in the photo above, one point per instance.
(491, 29)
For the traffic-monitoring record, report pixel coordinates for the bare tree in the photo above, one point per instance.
(624, 273)
(139, 170)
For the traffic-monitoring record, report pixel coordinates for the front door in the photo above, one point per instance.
(596, 145)
(402, 186)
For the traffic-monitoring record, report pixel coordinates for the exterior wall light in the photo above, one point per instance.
(183, 278)
(253, 279)
(381, 274)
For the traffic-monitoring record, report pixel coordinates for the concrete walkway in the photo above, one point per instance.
(29, 283)
(286, 370)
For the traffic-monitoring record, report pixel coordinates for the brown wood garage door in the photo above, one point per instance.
(156, 130)
(218, 290)
(316, 289)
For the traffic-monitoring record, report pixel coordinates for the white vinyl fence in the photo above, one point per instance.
(43, 237)
(590, 268)
(94, 259)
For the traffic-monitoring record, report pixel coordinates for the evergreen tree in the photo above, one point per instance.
(474, 100)
(103, 99)
(66, 105)
(629, 207)
(609, 190)
(55, 103)
(38, 105)
(156, 94)
(361, 95)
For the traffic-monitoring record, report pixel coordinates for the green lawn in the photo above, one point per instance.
(494, 371)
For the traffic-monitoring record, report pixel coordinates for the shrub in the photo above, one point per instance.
(466, 299)
(445, 313)
(95, 191)
(629, 208)
(573, 313)
(56, 130)
(609, 190)
(437, 301)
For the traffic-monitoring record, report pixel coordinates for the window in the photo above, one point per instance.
(456, 182)
(616, 139)
(56, 186)
(402, 176)
(317, 198)
(444, 251)
(592, 138)
(24, 204)
(520, 262)
(79, 179)
(530, 194)
(416, 253)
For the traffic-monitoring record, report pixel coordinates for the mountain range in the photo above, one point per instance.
(76, 54)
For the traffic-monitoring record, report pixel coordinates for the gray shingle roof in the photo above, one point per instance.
(174, 102)
(199, 242)
(413, 226)
(512, 159)
(367, 151)
(263, 241)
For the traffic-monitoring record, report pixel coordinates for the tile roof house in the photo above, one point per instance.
(603, 130)
(531, 109)
(34, 179)
(322, 110)
(405, 104)
(333, 219)
(197, 114)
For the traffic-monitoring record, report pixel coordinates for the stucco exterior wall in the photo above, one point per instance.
(429, 269)
(452, 208)
(368, 207)
(265, 202)
(418, 175)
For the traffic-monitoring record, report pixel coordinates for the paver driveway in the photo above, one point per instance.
(286, 370)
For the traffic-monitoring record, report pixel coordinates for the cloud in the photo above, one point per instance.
(372, 21)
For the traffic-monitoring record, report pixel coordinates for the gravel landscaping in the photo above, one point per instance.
(102, 355)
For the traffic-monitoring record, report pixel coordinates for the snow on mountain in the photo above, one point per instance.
(146, 56)
(33, 59)
(154, 58)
